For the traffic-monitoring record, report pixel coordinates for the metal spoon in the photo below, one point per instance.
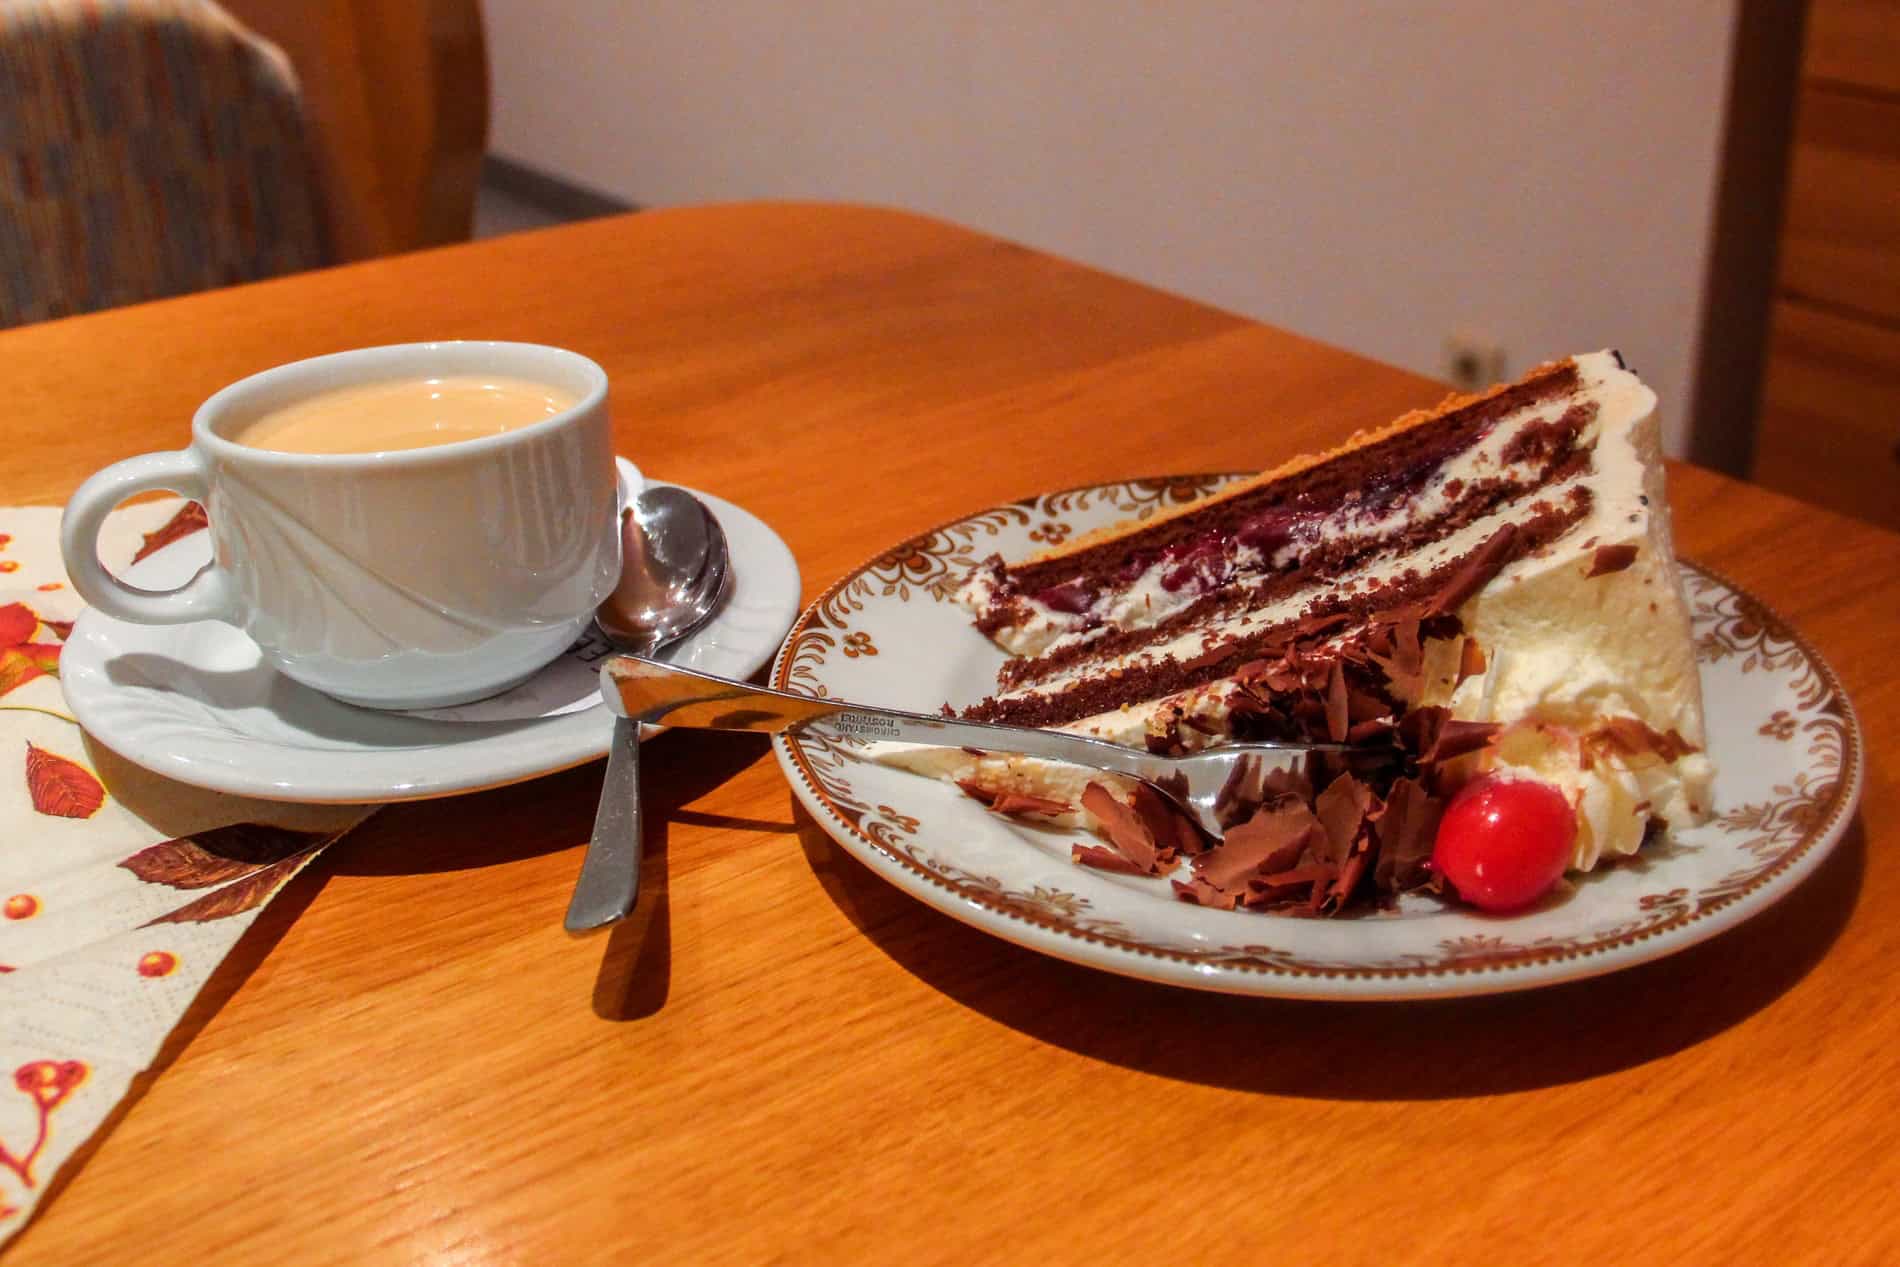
(674, 572)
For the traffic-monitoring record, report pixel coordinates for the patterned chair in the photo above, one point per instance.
(147, 148)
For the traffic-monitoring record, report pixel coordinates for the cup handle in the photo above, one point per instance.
(207, 596)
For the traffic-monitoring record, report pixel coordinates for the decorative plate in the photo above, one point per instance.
(1782, 734)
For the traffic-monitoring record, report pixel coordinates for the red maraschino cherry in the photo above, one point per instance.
(1503, 842)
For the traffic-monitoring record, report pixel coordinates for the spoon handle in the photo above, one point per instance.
(610, 872)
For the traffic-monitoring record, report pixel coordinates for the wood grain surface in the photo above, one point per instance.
(781, 1058)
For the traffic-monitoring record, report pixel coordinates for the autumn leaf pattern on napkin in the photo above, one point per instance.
(120, 892)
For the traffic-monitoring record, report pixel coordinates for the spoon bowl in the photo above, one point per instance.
(673, 570)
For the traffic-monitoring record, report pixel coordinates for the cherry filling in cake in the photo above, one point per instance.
(1487, 588)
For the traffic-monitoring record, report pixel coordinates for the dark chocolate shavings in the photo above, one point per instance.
(1000, 801)
(1340, 894)
(1475, 572)
(1406, 828)
(1370, 729)
(1125, 830)
(1211, 656)
(1610, 559)
(1023, 803)
(1316, 873)
(1404, 666)
(1272, 840)
(1341, 810)
(1471, 661)
(1456, 738)
(1173, 834)
(1628, 737)
(1202, 893)
(977, 792)
(1103, 860)
(1338, 711)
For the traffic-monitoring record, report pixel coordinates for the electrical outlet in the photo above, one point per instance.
(1472, 362)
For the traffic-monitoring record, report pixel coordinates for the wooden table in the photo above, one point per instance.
(782, 1057)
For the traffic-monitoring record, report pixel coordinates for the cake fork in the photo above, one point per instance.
(1202, 784)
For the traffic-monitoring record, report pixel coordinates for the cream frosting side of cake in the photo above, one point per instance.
(1574, 650)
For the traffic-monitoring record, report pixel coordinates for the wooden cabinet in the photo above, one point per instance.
(1840, 243)
(1854, 43)
(1829, 427)
(1831, 411)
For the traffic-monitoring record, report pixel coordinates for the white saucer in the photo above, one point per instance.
(197, 703)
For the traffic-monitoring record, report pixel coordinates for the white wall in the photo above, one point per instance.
(1373, 174)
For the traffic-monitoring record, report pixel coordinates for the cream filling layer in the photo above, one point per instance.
(1390, 566)
(1146, 601)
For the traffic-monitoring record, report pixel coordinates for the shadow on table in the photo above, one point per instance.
(483, 829)
(556, 813)
(1359, 1051)
(675, 770)
(546, 815)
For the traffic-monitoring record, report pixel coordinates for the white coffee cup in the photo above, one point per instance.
(412, 578)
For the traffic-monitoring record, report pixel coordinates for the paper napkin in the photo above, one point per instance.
(120, 892)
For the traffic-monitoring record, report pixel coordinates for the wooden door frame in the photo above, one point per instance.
(1750, 198)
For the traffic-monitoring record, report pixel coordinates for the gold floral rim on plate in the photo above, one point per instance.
(1800, 762)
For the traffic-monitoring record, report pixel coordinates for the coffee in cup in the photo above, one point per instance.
(405, 413)
(388, 576)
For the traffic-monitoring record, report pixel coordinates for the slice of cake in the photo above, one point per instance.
(1483, 588)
